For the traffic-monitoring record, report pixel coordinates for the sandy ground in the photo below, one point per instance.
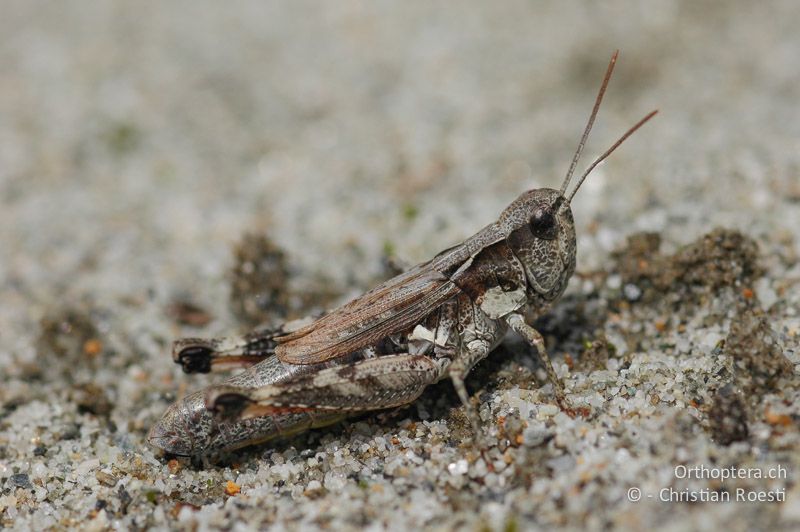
(140, 142)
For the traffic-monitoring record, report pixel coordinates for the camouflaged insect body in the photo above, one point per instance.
(381, 350)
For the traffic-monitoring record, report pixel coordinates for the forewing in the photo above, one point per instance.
(394, 306)
(391, 307)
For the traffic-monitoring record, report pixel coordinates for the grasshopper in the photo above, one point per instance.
(380, 350)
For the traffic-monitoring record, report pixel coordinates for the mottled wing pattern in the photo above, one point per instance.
(394, 306)
(389, 308)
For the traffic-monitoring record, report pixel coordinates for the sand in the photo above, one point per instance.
(141, 141)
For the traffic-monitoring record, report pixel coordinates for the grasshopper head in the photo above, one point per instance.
(541, 233)
(539, 224)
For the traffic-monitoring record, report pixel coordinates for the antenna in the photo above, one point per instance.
(608, 152)
(589, 125)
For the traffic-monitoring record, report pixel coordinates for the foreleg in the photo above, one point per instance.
(535, 339)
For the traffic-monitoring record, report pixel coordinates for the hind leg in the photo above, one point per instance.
(371, 384)
(204, 355)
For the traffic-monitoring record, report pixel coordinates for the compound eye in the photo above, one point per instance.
(543, 224)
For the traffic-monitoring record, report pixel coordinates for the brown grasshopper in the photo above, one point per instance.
(381, 350)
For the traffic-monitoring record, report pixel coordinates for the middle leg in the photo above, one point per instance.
(460, 366)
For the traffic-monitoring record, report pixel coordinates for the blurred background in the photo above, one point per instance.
(139, 142)
(151, 135)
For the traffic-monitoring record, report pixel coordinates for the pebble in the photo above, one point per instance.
(546, 411)
(535, 435)
(20, 480)
(632, 292)
(457, 468)
(766, 295)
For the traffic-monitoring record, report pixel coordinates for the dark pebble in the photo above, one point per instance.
(20, 480)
